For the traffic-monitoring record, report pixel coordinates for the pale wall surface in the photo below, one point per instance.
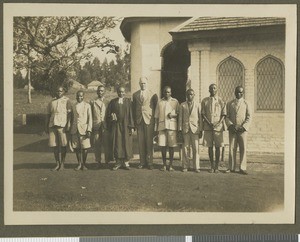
(149, 38)
(147, 41)
(267, 129)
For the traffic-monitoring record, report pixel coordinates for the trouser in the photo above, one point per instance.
(97, 142)
(235, 140)
(145, 142)
(190, 140)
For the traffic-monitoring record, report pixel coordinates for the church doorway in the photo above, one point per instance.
(176, 59)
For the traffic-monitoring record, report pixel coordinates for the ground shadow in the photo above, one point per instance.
(47, 166)
(39, 146)
(29, 129)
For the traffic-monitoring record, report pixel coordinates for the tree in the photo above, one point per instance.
(85, 77)
(53, 45)
(19, 81)
(117, 72)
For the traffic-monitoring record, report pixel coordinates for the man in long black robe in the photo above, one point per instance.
(121, 126)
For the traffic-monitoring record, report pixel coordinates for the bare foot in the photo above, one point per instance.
(78, 168)
(56, 168)
(84, 168)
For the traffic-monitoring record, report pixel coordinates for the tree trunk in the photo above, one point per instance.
(29, 86)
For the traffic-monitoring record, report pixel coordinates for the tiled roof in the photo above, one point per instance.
(94, 83)
(213, 23)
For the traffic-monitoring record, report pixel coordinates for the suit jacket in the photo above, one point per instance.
(82, 118)
(189, 119)
(98, 111)
(144, 109)
(238, 113)
(163, 108)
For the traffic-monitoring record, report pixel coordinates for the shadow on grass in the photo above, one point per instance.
(47, 166)
(29, 129)
(39, 146)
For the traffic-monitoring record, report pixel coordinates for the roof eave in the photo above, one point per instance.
(204, 34)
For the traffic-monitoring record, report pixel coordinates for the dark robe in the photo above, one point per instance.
(121, 141)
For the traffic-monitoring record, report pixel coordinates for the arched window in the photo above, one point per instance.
(230, 75)
(269, 84)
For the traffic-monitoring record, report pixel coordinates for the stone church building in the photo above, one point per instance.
(229, 51)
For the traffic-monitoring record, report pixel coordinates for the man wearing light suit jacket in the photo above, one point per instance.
(238, 123)
(189, 124)
(144, 103)
(81, 129)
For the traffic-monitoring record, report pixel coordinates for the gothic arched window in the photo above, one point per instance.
(269, 85)
(230, 75)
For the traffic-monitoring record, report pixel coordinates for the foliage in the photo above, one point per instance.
(113, 73)
(52, 46)
(19, 81)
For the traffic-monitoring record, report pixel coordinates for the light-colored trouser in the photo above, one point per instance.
(97, 142)
(190, 139)
(237, 139)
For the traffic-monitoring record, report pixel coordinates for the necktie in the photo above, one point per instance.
(142, 96)
(213, 104)
(120, 101)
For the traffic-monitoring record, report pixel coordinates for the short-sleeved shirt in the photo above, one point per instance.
(58, 110)
(163, 108)
(213, 108)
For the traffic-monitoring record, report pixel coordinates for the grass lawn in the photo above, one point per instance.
(36, 188)
(40, 101)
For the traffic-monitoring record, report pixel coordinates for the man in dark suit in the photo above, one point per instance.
(121, 126)
(238, 122)
(144, 103)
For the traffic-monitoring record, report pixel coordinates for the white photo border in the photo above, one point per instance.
(287, 11)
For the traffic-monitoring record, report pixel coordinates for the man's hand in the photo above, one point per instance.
(169, 115)
(232, 129)
(131, 131)
(200, 134)
(241, 129)
(88, 134)
(216, 124)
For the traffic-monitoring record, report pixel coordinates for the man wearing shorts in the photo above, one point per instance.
(82, 123)
(213, 111)
(166, 113)
(57, 124)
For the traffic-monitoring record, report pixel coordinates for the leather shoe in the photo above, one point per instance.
(163, 168)
(243, 172)
(116, 167)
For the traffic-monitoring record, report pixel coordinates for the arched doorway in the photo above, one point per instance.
(175, 62)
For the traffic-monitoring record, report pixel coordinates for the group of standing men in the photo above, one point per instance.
(165, 119)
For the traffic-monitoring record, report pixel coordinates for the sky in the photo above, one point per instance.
(119, 39)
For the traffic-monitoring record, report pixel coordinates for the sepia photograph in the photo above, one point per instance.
(168, 114)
